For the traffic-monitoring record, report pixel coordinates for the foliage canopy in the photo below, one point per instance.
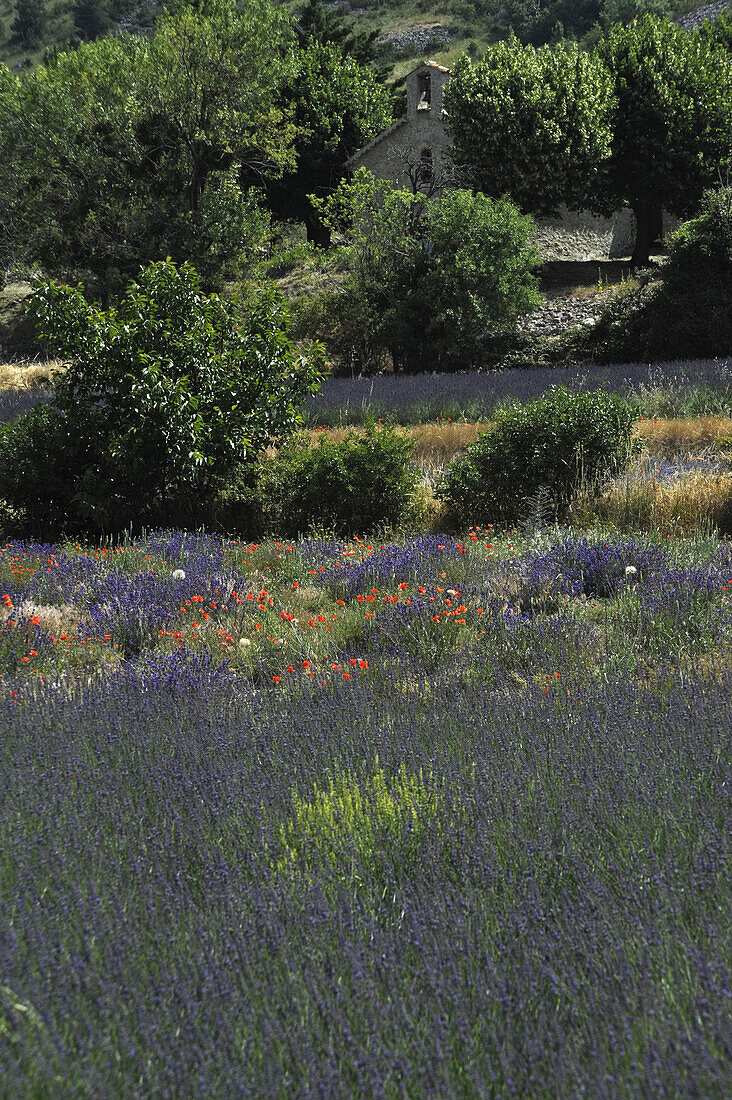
(532, 123)
(127, 149)
(672, 132)
(161, 398)
(428, 278)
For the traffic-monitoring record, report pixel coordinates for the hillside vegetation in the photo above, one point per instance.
(406, 29)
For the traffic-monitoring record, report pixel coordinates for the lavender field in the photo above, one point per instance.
(430, 818)
(681, 388)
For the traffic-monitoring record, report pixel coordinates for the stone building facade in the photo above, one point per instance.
(413, 150)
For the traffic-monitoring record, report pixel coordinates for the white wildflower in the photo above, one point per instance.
(178, 575)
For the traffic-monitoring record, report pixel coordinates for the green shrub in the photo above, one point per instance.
(542, 449)
(351, 486)
(161, 399)
(429, 279)
(375, 824)
(39, 463)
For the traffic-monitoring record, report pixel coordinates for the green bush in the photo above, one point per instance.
(429, 279)
(39, 463)
(376, 823)
(161, 399)
(543, 449)
(351, 486)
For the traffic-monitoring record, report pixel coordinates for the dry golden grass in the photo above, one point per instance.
(667, 438)
(437, 444)
(699, 500)
(55, 619)
(434, 444)
(26, 376)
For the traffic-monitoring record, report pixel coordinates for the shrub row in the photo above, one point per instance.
(368, 480)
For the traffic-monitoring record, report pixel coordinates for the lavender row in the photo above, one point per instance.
(658, 389)
(558, 926)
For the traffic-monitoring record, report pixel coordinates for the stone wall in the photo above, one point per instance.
(694, 19)
(579, 235)
(405, 142)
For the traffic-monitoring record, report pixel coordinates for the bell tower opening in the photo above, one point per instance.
(425, 92)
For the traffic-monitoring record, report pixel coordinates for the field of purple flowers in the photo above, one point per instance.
(681, 388)
(431, 818)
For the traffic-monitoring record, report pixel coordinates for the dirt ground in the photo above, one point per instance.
(562, 277)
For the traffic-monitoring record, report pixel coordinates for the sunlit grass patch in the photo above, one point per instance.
(676, 436)
(22, 376)
(679, 507)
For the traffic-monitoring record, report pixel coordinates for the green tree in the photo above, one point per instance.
(212, 78)
(625, 11)
(337, 106)
(672, 134)
(532, 123)
(160, 400)
(30, 21)
(429, 278)
(127, 149)
(539, 21)
(91, 17)
(67, 156)
(316, 23)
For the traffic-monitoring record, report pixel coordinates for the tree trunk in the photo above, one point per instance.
(649, 224)
(317, 233)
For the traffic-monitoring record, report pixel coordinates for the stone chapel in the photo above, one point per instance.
(412, 148)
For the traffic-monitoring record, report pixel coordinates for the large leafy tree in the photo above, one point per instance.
(337, 106)
(162, 398)
(429, 278)
(672, 132)
(127, 149)
(532, 123)
(67, 157)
